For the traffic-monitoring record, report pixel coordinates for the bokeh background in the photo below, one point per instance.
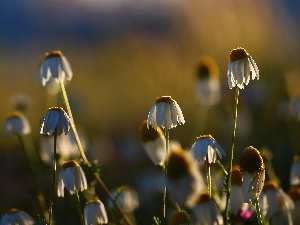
(124, 54)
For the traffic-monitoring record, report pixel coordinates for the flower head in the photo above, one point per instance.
(180, 218)
(208, 83)
(55, 119)
(295, 171)
(72, 177)
(16, 216)
(95, 213)
(206, 148)
(183, 178)
(165, 113)
(16, 123)
(253, 170)
(241, 68)
(154, 143)
(55, 66)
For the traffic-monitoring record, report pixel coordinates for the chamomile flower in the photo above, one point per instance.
(95, 213)
(206, 148)
(72, 177)
(253, 170)
(16, 216)
(55, 119)
(241, 68)
(154, 143)
(55, 66)
(165, 113)
(16, 123)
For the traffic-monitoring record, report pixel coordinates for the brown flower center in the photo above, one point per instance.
(149, 134)
(236, 176)
(204, 197)
(251, 160)
(238, 54)
(178, 218)
(56, 53)
(178, 164)
(165, 99)
(71, 163)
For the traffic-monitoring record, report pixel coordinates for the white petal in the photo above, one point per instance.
(160, 113)
(168, 116)
(151, 114)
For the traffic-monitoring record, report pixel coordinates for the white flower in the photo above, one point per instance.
(72, 177)
(206, 148)
(16, 123)
(184, 180)
(15, 216)
(165, 113)
(295, 171)
(206, 211)
(241, 68)
(55, 66)
(95, 213)
(272, 199)
(253, 170)
(55, 119)
(154, 143)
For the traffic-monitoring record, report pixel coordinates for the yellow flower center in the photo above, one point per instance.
(206, 68)
(56, 108)
(71, 163)
(204, 136)
(13, 114)
(165, 99)
(238, 54)
(296, 158)
(12, 211)
(149, 134)
(251, 160)
(178, 218)
(236, 176)
(93, 201)
(56, 53)
(270, 185)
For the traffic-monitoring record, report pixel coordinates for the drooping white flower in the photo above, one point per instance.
(183, 178)
(208, 83)
(72, 177)
(207, 148)
(165, 113)
(241, 68)
(206, 211)
(55, 119)
(154, 143)
(95, 213)
(16, 123)
(55, 66)
(16, 216)
(253, 170)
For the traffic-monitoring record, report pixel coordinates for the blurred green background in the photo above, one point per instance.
(126, 54)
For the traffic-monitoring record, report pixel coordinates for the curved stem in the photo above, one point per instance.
(228, 180)
(85, 160)
(53, 178)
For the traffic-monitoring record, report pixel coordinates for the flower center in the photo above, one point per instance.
(71, 163)
(238, 54)
(95, 201)
(270, 185)
(13, 210)
(178, 218)
(13, 114)
(56, 108)
(294, 193)
(296, 158)
(206, 68)
(149, 134)
(204, 197)
(251, 160)
(56, 53)
(178, 165)
(236, 176)
(165, 99)
(204, 136)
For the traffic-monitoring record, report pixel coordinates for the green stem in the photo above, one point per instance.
(165, 168)
(85, 160)
(258, 214)
(208, 178)
(79, 209)
(53, 178)
(228, 180)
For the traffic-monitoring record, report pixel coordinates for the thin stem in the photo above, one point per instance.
(258, 214)
(39, 194)
(53, 178)
(79, 209)
(228, 180)
(85, 160)
(208, 177)
(165, 168)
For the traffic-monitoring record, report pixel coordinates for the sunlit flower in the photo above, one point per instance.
(165, 113)
(206, 211)
(272, 199)
(16, 216)
(72, 177)
(294, 193)
(95, 213)
(295, 171)
(154, 143)
(253, 170)
(208, 83)
(184, 180)
(16, 123)
(206, 148)
(55, 66)
(241, 68)
(126, 197)
(180, 218)
(55, 119)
